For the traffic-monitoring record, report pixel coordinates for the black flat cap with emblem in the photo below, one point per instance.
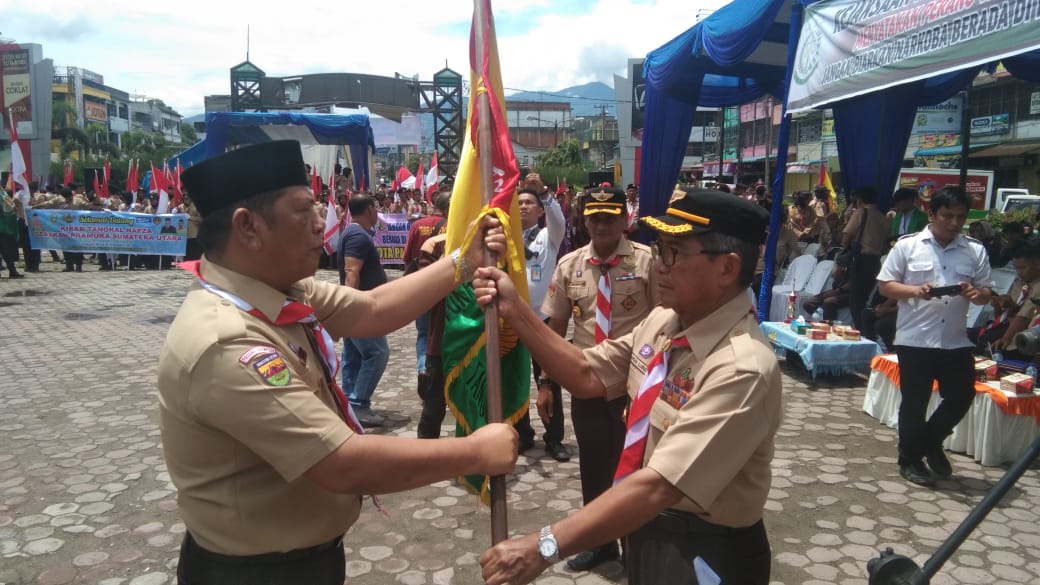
(605, 200)
(224, 180)
(703, 210)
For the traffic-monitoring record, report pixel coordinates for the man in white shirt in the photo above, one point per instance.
(541, 247)
(931, 329)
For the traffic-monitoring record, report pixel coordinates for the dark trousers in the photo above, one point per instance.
(32, 257)
(74, 261)
(881, 328)
(954, 369)
(193, 250)
(9, 251)
(431, 392)
(553, 426)
(830, 301)
(319, 565)
(862, 279)
(599, 427)
(662, 551)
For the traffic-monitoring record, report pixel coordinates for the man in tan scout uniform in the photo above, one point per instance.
(705, 386)
(627, 269)
(269, 462)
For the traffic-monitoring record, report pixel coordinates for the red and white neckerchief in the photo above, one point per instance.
(603, 322)
(292, 312)
(1003, 315)
(296, 312)
(638, 426)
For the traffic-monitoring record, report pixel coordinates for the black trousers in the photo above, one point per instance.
(193, 250)
(881, 328)
(9, 251)
(599, 427)
(862, 279)
(662, 551)
(431, 392)
(954, 369)
(553, 426)
(32, 257)
(324, 564)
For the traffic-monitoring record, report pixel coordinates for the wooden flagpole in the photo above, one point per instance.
(499, 519)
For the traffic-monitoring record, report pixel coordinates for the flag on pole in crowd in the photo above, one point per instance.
(419, 177)
(562, 187)
(332, 226)
(402, 175)
(178, 189)
(106, 174)
(825, 181)
(67, 176)
(131, 180)
(160, 185)
(19, 170)
(315, 182)
(463, 351)
(431, 180)
(97, 187)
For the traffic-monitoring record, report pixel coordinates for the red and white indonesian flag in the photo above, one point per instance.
(332, 227)
(19, 170)
(431, 180)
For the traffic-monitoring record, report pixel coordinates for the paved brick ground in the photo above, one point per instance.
(85, 497)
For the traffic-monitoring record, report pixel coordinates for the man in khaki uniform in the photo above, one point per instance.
(269, 462)
(599, 425)
(868, 228)
(1016, 309)
(694, 476)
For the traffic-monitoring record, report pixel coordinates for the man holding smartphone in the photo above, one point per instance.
(934, 274)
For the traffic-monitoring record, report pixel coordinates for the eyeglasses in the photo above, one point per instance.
(667, 253)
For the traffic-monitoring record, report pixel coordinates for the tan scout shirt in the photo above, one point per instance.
(246, 409)
(711, 429)
(875, 233)
(573, 289)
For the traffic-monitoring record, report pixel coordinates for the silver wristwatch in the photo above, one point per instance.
(547, 546)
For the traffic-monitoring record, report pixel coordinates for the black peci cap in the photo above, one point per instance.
(605, 200)
(703, 210)
(237, 175)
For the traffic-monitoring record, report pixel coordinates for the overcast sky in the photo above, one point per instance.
(181, 51)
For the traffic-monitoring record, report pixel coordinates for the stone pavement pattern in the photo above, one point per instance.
(85, 497)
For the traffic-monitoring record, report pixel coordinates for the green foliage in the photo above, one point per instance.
(997, 219)
(563, 162)
(188, 136)
(567, 154)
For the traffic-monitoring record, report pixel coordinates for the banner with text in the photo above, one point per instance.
(391, 236)
(108, 231)
(852, 47)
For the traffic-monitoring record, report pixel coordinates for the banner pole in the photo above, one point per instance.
(497, 487)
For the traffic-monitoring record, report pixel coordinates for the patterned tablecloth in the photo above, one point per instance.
(998, 427)
(833, 356)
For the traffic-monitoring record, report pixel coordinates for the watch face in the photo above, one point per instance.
(546, 547)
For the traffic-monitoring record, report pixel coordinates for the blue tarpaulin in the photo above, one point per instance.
(740, 53)
(227, 129)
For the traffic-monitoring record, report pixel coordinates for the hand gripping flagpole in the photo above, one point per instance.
(497, 487)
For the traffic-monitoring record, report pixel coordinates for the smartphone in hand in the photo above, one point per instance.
(944, 291)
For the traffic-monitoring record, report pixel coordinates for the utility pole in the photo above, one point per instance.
(603, 135)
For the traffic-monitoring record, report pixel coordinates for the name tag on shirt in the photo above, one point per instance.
(536, 273)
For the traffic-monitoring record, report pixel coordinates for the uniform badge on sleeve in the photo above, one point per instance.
(273, 369)
(646, 351)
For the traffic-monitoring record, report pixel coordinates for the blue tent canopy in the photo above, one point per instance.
(227, 129)
(743, 51)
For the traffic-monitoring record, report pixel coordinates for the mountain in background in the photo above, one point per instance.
(586, 100)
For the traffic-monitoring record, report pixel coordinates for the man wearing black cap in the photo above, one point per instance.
(269, 461)
(607, 287)
(705, 386)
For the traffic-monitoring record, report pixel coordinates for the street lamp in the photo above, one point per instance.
(556, 128)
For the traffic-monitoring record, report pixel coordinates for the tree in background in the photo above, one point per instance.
(563, 162)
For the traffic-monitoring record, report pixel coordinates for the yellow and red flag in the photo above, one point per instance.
(825, 181)
(463, 350)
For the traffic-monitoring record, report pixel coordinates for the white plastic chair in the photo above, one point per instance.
(812, 249)
(796, 278)
(1002, 279)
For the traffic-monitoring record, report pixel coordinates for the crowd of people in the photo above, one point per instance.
(675, 392)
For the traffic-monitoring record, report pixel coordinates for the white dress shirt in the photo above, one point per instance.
(544, 250)
(918, 259)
